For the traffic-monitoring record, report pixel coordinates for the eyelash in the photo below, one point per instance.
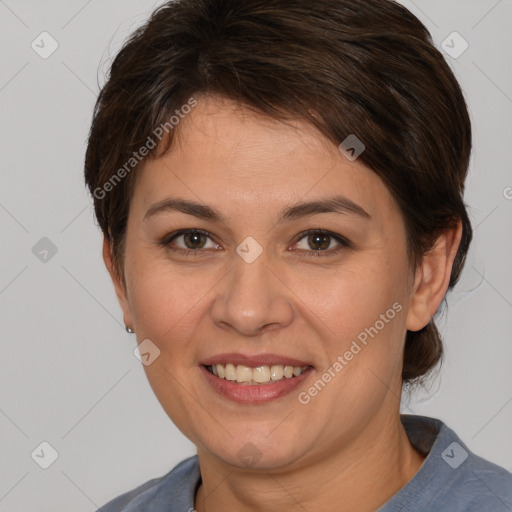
(343, 242)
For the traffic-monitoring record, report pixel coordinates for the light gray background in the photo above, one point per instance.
(68, 374)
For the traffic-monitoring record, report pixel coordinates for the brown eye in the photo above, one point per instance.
(189, 241)
(316, 242)
(194, 240)
(319, 241)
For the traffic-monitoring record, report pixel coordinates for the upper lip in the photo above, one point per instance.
(254, 360)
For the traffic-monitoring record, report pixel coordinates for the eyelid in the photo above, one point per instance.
(168, 238)
(343, 242)
(339, 238)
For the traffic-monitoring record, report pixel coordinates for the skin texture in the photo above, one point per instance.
(346, 449)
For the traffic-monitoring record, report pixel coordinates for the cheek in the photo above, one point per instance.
(350, 299)
(167, 301)
(359, 316)
(166, 305)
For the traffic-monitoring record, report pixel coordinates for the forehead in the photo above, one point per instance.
(229, 155)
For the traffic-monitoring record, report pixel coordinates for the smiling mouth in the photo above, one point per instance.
(253, 376)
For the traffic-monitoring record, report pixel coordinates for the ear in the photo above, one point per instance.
(432, 278)
(118, 284)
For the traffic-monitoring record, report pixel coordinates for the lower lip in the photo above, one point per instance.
(254, 394)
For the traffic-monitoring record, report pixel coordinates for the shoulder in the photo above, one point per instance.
(452, 477)
(176, 488)
(477, 484)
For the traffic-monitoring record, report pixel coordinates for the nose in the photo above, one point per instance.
(252, 299)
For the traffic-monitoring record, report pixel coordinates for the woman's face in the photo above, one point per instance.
(258, 284)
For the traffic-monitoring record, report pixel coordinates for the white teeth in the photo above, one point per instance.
(276, 372)
(259, 375)
(288, 372)
(243, 373)
(230, 372)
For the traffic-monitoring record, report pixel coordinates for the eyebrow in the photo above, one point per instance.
(336, 204)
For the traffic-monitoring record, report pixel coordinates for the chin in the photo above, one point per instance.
(258, 452)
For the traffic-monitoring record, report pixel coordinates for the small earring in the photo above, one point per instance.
(130, 330)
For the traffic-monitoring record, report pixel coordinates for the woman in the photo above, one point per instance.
(280, 188)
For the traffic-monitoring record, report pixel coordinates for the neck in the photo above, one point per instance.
(362, 476)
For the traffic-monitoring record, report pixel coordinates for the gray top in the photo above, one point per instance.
(451, 479)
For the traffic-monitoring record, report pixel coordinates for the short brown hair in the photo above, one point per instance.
(364, 67)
